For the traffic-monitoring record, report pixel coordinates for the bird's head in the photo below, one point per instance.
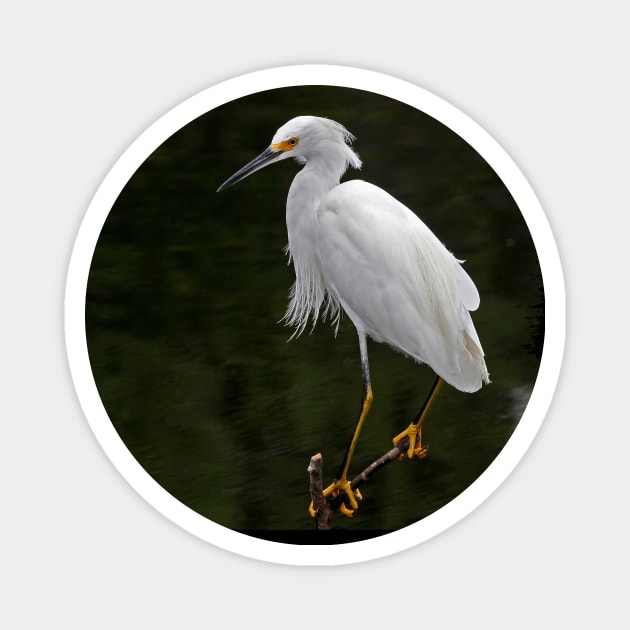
(303, 138)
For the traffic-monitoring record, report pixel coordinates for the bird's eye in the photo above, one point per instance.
(286, 145)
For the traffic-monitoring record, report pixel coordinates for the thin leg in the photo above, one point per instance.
(366, 402)
(414, 430)
(341, 484)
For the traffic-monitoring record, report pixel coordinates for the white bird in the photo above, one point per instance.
(355, 247)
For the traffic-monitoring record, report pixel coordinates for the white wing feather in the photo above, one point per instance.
(398, 281)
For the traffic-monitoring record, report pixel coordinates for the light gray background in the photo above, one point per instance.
(80, 549)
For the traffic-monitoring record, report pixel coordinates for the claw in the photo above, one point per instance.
(344, 510)
(357, 495)
(337, 487)
(334, 490)
(421, 452)
(412, 433)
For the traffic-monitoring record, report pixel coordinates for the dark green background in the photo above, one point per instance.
(187, 287)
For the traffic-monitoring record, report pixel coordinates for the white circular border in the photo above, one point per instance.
(118, 178)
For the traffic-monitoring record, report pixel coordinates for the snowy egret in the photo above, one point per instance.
(355, 247)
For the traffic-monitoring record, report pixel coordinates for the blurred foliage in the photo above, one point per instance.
(187, 287)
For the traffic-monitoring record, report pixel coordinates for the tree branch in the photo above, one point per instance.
(320, 505)
(326, 509)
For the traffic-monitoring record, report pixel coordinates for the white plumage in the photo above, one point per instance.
(398, 283)
(355, 247)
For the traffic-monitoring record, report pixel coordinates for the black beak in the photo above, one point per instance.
(268, 156)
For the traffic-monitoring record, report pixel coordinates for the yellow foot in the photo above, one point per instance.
(414, 434)
(335, 489)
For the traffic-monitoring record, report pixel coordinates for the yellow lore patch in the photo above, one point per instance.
(285, 145)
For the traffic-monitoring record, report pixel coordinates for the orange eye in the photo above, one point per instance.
(292, 142)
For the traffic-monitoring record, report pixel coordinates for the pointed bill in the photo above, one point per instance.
(268, 156)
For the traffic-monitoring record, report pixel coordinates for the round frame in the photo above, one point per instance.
(103, 428)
